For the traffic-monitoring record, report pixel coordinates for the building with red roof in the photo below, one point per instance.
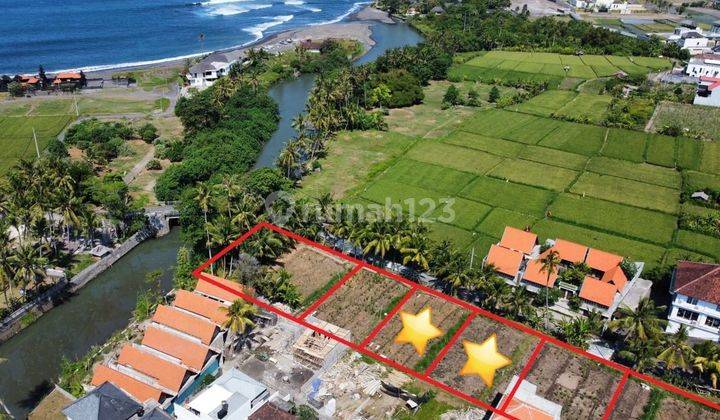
(506, 262)
(518, 240)
(526, 404)
(695, 291)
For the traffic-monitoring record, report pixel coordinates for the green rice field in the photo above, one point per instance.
(16, 136)
(615, 189)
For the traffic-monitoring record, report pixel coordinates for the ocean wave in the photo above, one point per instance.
(294, 2)
(132, 64)
(229, 9)
(355, 7)
(258, 29)
(301, 4)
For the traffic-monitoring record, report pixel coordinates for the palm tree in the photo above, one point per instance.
(495, 292)
(677, 351)
(577, 331)
(518, 304)
(707, 360)
(240, 316)
(28, 263)
(222, 231)
(203, 198)
(287, 159)
(641, 324)
(549, 264)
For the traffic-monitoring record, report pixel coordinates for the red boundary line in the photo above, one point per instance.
(330, 292)
(388, 317)
(616, 396)
(436, 361)
(513, 324)
(354, 346)
(523, 374)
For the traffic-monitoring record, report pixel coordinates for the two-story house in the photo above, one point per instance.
(695, 290)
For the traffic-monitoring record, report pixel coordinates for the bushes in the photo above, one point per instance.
(148, 133)
(225, 137)
(405, 89)
(102, 141)
(153, 165)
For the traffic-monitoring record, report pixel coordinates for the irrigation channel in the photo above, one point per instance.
(105, 305)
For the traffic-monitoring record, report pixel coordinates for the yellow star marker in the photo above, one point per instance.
(484, 359)
(417, 330)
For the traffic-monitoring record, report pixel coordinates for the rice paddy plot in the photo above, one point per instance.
(642, 172)
(508, 195)
(576, 138)
(635, 250)
(624, 220)
(654, 63)
(532, 131)
(690, 153)
(625, 191)
(481, 245)
(492, 145)
(625, 144)
(455, 157)
(553, 157)
(673, 255)
(586, 106)
(461, 238)
(571, 60)
(387, 192)
(595, 60)
(16, 136)
(710, 158)
(428, 176)
(459, 212)
(546, 103)
(494, 121)
(604, 70)
(700, 180)
(581, 71)
(626, 65)
(697, 242)
(494, 223)
(661, 150)
(535, 174)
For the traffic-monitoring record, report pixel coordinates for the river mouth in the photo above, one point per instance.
(105, 305)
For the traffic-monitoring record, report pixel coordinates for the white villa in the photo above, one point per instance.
(708, 92)
(695, 288)
(234, 395)
(209, 69)
(704, 65)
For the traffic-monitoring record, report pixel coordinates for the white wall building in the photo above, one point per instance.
(695, 288)
(234, 395)
(208, 70)
(708, 92)
(704, 65)
(691, 40)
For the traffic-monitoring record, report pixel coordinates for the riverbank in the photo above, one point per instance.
(356, 26)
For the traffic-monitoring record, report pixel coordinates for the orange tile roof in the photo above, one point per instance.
(525, 411)
(519, 240)
(68, 75)
(534, 274)
(211, 290)
(137, 389)
(616, 277)
(201, 305)
(186, 323)
(168, 374)
(598, 291)
(570, 251)
(504, 260)
(601, 260)
(193, 355)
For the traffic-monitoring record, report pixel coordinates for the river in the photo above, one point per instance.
(105, 305)
(291, 95)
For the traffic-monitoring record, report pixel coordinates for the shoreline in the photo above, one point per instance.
(357, 25)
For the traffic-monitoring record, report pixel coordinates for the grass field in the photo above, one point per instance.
(614, 189)
(16, 136)
(703, 120)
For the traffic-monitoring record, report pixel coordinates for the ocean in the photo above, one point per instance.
(104, 34)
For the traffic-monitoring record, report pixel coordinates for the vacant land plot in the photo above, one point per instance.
(643, 224)
(625, 144)
(514, 344)
(704, 120)
(444, 315)
(583, 387)
(626, 191)
(673, 407)
(699, 243)
(311, 269)
(456, 157)
(17, 140)
(689, 153)
(632, 402)
(643, 172)
(710, 162)
(361, 303)
(429, 176)
(576, 138)
(535, 174)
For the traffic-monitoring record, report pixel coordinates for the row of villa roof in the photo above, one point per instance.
(180, 342)
(517, 258)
